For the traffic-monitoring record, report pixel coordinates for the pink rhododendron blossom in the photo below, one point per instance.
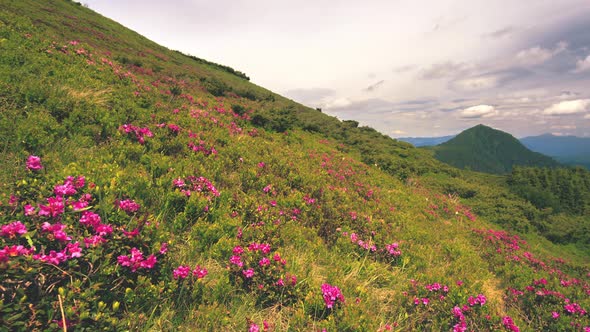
(90, 218)
(29, 210)
(14, 251)
(509, 324)
(249, 273)
(200, 272)
(54, 208)
(57, 231)
(163, 247)
(128, 205)
(236, 260)
(34, 163)
(264, 262)
(332, 295)
(181, 272)
(135, 260)
(13, 229)
(94, 241)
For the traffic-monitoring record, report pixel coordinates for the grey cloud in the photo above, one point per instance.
(374, 86)
(444, 70)
(501, 33)
(404, 69)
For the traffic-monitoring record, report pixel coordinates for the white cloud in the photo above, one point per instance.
(583, 65)
(538, 55)
(398, 132)
(479, 111)
(587, 116)
(568, 107)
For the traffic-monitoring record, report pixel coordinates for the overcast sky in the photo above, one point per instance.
(404, 67)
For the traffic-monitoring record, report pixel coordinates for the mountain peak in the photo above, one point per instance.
(482, 148)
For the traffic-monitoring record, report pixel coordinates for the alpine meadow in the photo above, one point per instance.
(144, 189)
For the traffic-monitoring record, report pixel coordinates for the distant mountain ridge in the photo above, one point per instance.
(569, 150)
(488, 150)
(425, 141)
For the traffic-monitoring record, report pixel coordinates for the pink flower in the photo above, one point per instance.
(238, 250)
(264, 262)
(253, 328)
(236, 260)
(29, 210)
(128, 205)
(179, 183)
(163, 247)
(34, 163)
(74, 250)
(93, 241)
(104, 229)
(509, 324)
(200, 272)
(555, 315)
(90, 218)
(54, 208)
(332, 295)
(249, 273)
(13, 229)
(181, 272)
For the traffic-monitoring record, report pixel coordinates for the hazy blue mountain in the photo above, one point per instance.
(425, 141)
(569, 150)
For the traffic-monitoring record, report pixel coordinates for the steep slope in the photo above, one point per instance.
(143, 189)
(425, 141)
(569, 150)
(484, 149)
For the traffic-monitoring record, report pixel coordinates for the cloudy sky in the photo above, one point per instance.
(404, 67)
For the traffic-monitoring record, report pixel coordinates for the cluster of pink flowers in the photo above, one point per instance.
(55, 207)
(135, 260)
(509, 324)
(72, 250)
(435, 287)
(393, 249)
(128, 205)
(574, 308)
(256, 260)
(332, 296)
(13, 229)
(140, 133)
(480, 299)
(202, 147)
(461, 326)
(175, 129)
(34, 163)
(183, 271)
(14, 251)
(57, 230)
(68, 188)
(195, 184)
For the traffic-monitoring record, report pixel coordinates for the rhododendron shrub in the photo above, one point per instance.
(55, 240)
(257, 269)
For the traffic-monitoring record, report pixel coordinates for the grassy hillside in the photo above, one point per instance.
(484, 149)
(143, 189)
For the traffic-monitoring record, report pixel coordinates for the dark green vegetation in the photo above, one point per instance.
(272, 198)
(484, 149)
(569, 150)
(563, 194)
